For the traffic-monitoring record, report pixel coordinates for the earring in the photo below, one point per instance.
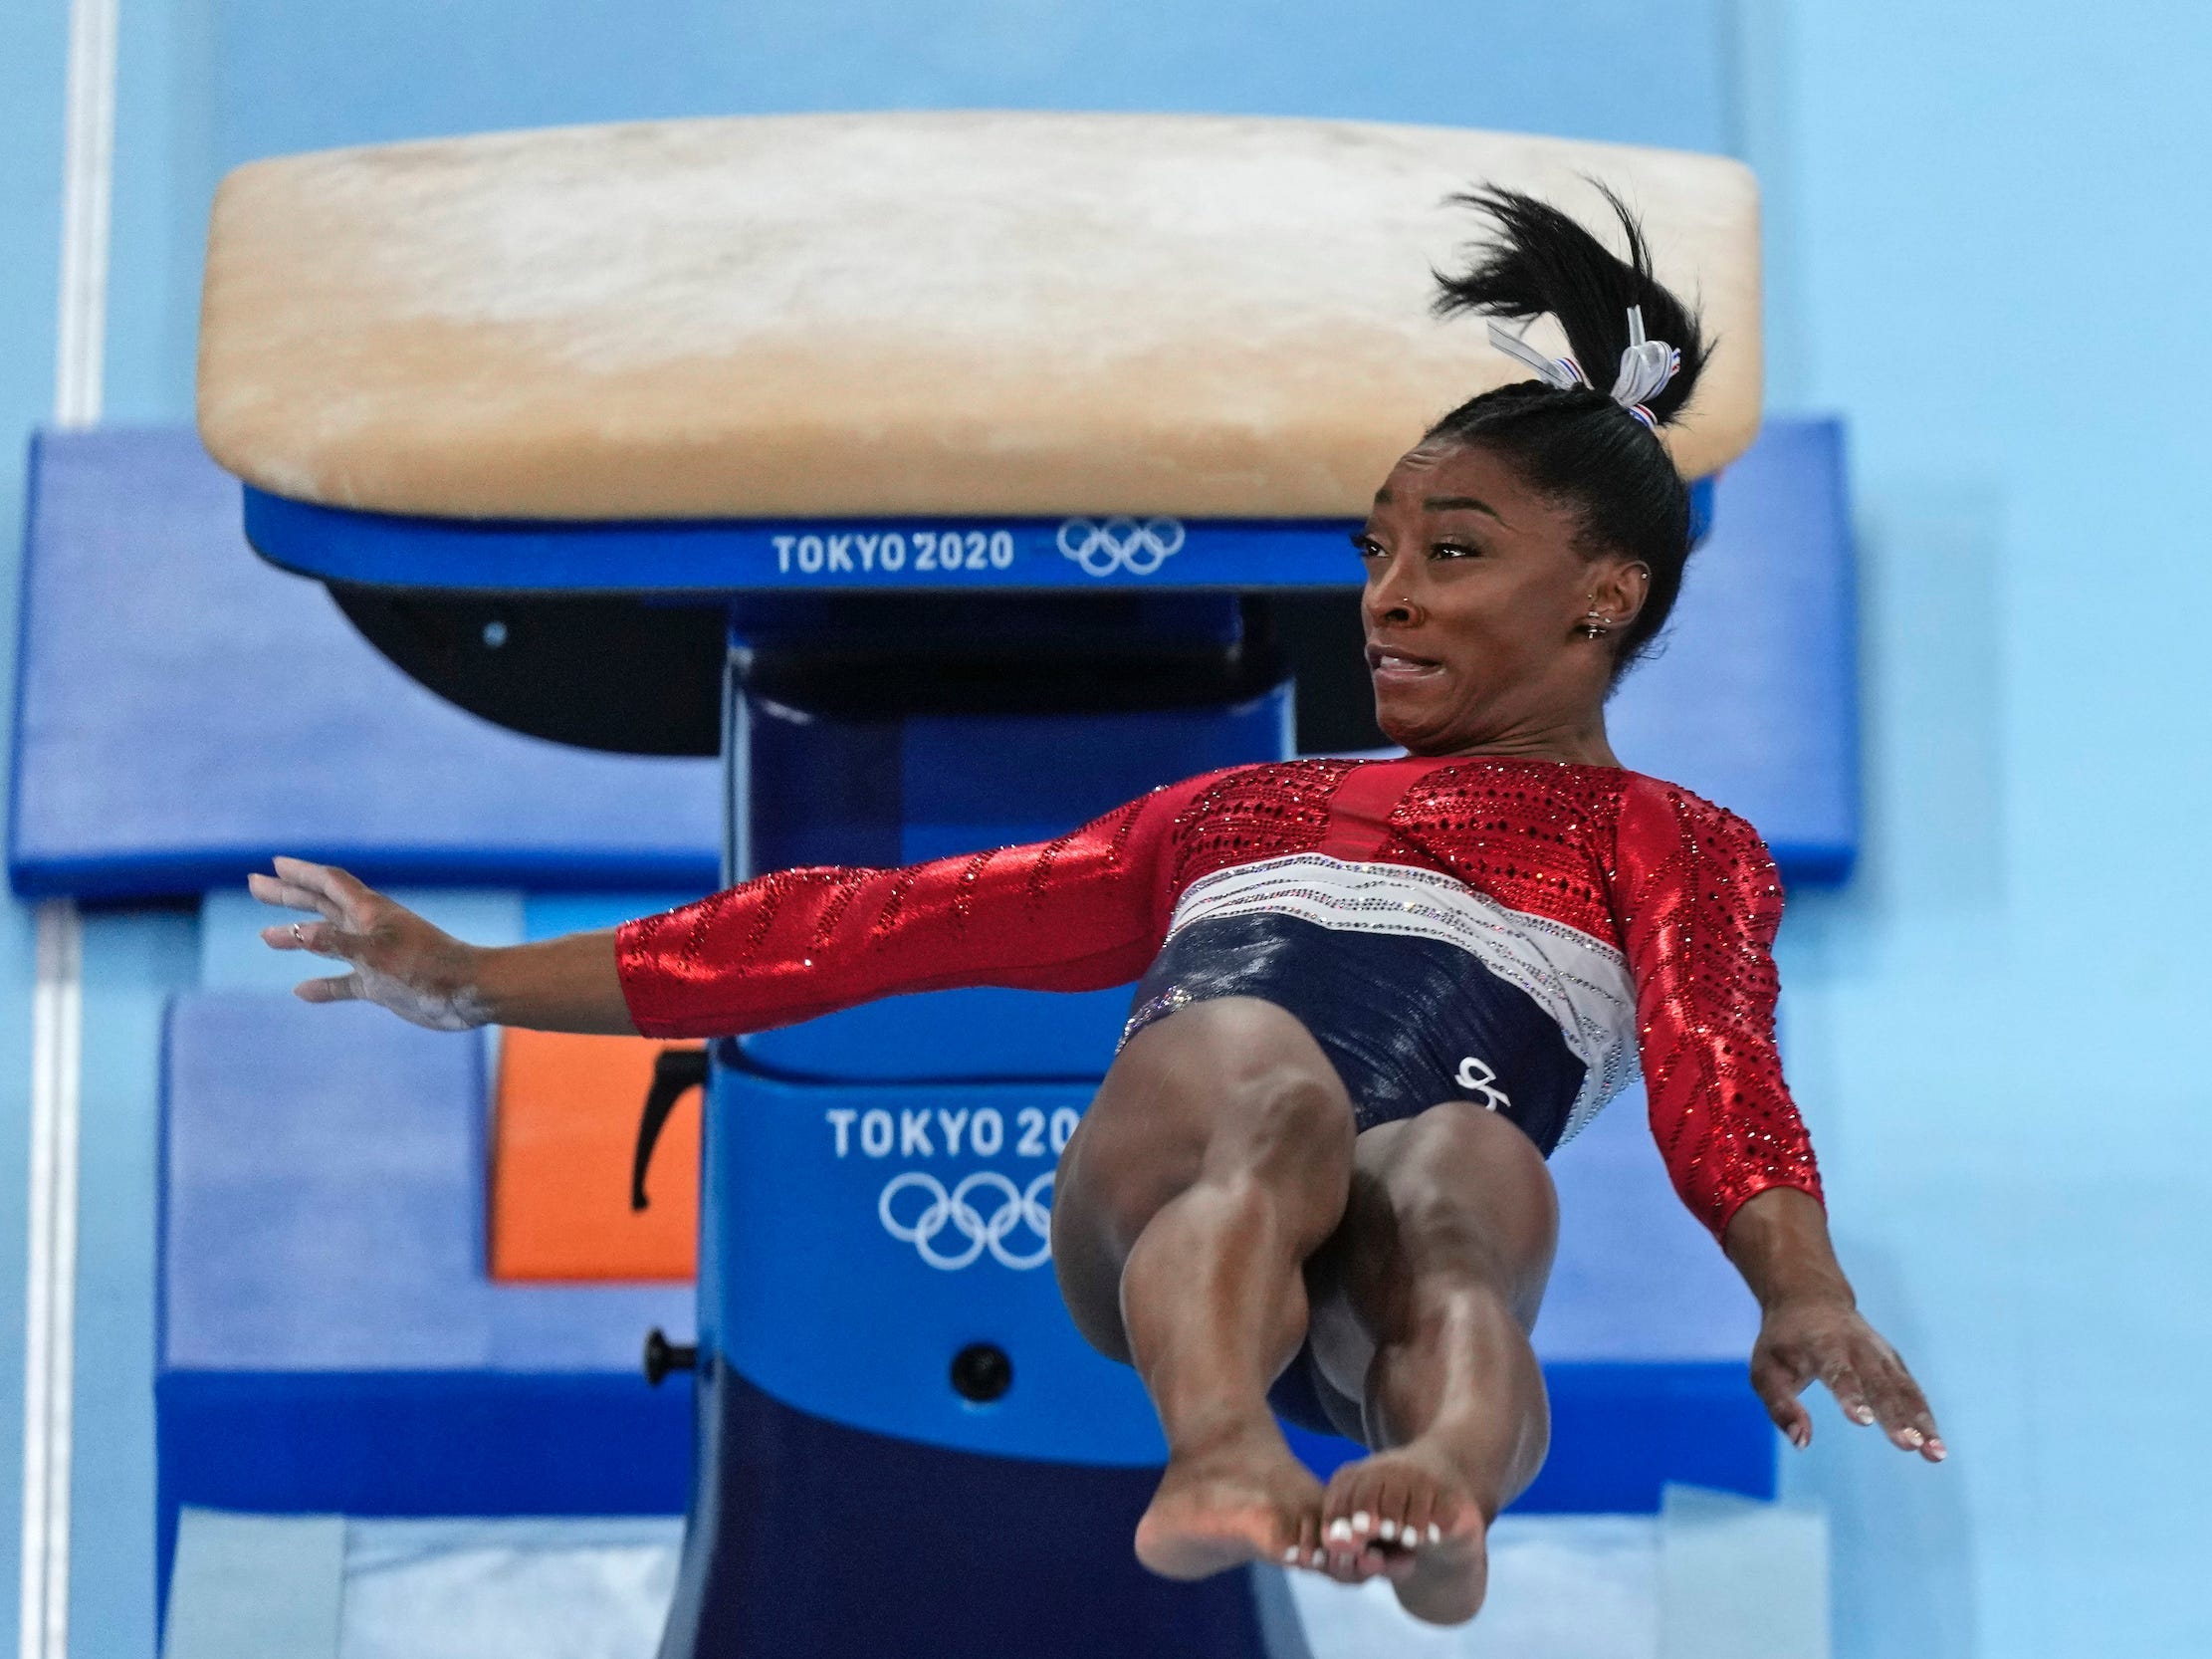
(1594, 624)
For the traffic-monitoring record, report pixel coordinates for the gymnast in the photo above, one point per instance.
(1373, 995)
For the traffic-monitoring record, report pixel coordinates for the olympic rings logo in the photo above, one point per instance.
(1104, 546)
(1017, 1207)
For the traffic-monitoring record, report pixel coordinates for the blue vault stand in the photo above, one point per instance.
(889, 1388)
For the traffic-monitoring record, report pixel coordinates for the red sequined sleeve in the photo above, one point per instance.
(1074, 914)
(1698, 901)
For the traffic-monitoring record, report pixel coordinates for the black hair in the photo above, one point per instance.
(1576, 445)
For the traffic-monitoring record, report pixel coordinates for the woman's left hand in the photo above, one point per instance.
(1819, 1336)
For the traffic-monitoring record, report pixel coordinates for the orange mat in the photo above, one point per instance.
(563, 1125)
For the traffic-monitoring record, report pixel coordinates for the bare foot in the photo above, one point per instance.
(1406, 1515)
(1243, 1498)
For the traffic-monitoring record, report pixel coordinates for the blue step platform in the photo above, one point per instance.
(327, 1338)
(168, 742)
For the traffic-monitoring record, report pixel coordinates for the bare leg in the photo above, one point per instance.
(1216, 1158)
(1427, 1296)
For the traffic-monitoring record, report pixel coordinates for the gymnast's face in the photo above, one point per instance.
(1477, 588)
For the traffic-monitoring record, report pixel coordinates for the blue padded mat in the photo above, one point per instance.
(327, 1338)
(1754, 701)
(185, 711)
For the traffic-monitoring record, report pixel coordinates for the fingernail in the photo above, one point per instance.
(1340, 1532)
(1360, 1520)
(1937, 1449)
(1388, 1530)
(1914, 1437)
(1290, 1557)
(1861, 1414)
(1436, 1532)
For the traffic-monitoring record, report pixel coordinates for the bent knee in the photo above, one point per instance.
(1283, 1115)
(1463, 1169)
(1468, 1132)
(1280, 1135)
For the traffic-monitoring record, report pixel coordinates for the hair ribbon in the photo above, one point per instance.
(1646, 367)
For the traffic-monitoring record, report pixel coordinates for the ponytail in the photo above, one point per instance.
(1565, 434)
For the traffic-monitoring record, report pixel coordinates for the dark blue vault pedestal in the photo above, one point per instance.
(901, 1434)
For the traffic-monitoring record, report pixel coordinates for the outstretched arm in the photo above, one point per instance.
(1076, 913)
(427, 977)
(1699, 901)
(1082, 911)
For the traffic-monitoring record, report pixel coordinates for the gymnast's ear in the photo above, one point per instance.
(1618, 589)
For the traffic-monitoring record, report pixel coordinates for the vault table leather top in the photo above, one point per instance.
(966, 313)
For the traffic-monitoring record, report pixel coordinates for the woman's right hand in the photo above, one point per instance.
(398, 960)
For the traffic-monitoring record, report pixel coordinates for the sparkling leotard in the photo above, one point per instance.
(1633, 917)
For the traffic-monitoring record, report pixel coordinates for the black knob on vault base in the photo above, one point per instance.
(663, 1356)
(981, 1373)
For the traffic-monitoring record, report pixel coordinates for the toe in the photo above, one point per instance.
(1353, 1555)
(1390, 1492)
(1415, 1515)
(1340, 1548)
(1351, 1498)
(1305, 1548)
(1449, 1515)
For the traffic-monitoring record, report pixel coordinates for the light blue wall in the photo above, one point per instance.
(1986, 228)
(1995, 232)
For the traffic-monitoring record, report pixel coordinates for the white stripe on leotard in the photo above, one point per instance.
(1581, 982)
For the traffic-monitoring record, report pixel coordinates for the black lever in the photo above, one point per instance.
(663, 1356)
(675, 1073)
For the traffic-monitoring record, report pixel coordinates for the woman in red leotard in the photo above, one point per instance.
(1373, 995)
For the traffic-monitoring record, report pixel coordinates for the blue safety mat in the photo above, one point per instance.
(1753, 698)
(184, 711)
(328, 1337)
